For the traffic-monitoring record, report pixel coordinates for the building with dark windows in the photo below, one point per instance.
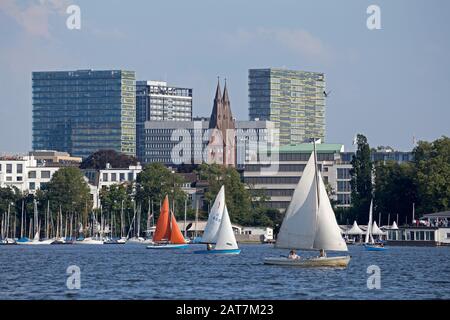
(83, 111)
(156, 101)
(293, 100)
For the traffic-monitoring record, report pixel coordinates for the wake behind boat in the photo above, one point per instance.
(310, 224)
(167, 234)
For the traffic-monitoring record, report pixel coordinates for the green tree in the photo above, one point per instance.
(361, 179)
(432, 161)
(237, 197)
(155, 182)
(395, 190)
(69, 191)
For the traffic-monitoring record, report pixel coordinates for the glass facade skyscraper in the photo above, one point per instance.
(83, 111)
(293, 100)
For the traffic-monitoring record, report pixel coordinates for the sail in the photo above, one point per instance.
(328, 234)
(36, 236)
(369, 225)
(215, 218)
(299, 223)
(162, 230)
(176, 237)
(225, 237)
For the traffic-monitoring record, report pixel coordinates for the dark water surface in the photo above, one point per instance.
(134, 272)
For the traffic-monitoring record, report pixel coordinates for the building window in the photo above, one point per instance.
(9, 178)
(32, 174)
(19, 168)
(32, 186)
(8, 168)
(19, 178)
(122, 177)
(45, 174)
(113, 176)
(105, 177)
(130, 176)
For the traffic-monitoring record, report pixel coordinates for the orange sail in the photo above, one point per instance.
(162, 231)
(176, 237)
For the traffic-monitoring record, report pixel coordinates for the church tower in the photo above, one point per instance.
(222, 141)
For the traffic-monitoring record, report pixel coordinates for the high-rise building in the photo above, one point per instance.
(156, 101)
(83, 111)
(293, 100)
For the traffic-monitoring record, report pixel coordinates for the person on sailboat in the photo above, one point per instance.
(209, 246)
(293, 255)
(322, 254)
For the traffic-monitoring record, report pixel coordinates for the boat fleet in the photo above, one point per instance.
(309, 224)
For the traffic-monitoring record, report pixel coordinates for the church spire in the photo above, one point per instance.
(225, 98)
(217, 108)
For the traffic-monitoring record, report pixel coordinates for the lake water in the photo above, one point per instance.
(134, 272)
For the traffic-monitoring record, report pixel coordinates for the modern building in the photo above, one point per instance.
(156, 101)
(174, 142)
(277, 177)
(293, 100)
(55, 158)
(83, 111)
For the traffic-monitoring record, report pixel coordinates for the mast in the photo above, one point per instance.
(21, 221)
(196, 217)
(122, 231)
(185, 211)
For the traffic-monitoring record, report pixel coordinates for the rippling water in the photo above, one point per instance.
(133, 272)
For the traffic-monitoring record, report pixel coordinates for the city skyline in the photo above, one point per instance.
(388, 84)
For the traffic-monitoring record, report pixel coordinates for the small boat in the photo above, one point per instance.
(369, 243)
(310, 224)
(7, 241)
(167, 233)
(87, 241)
(218, 229)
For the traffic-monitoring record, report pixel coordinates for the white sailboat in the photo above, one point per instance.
(310, 224)
(369, 242)
(218, 229)
(36, 240)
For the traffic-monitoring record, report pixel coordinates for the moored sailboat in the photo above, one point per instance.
(310, 224)
(167, 233)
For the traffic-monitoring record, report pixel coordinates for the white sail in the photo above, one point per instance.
(225, 237)
(215, 218)
(328, 234)
(369, 226)
(36, 236)
(299, 223)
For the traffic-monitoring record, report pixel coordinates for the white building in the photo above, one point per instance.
(24, 172)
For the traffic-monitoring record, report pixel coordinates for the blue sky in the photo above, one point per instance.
(390, 84)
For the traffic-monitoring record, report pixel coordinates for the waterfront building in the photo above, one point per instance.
(157, 101)
(83, 111)
(24, 173)
(293, 100)
(55, 158)
(277, 177)
(431, 229)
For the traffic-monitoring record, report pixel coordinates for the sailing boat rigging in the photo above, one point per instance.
(369, 242)
(167, 233)
(310, 223)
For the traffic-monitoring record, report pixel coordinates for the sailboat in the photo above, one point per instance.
(310, 223)
(218, 229)
(36, 240)
(167, 233)
(369, 243)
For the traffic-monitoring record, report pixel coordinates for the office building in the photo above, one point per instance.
(83, 111)
(156, 101)
(293, 100)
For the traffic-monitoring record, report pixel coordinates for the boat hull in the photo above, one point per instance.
(167, 246)
(213, 251)
(37, 243)
(88, 241)
(330, 262)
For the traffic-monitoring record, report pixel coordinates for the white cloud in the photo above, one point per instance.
(297, 41)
